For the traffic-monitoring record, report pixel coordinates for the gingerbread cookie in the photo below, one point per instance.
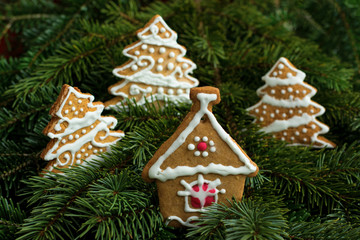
(199, 164)
(286, 110)
(77, 130)
(157, 70)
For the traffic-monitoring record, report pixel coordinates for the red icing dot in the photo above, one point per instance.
(202, 146)
(195, 202)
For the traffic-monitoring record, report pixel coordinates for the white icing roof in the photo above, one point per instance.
(155, 171)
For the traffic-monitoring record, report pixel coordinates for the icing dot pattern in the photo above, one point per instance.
(202, 146)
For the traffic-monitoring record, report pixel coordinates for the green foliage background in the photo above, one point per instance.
(299, 193)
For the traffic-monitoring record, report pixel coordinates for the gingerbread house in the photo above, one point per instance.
(199, 164)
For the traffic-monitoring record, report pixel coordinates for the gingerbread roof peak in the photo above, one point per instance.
(205, 97)
(157, 32)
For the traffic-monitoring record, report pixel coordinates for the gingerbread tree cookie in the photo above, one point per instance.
(77, 130)
(199, 164)
(286, 109)
(157, 70)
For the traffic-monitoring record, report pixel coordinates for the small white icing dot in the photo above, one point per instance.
(282, 138)
(83, 150)
(66, 111)
(170, 66)
(290, 89)
(63, 141)
(289, 75)
(144, 46)
(205, 139)
(285, 133)
(197, 153)
(272, 115)
(275, 74)
(78, 156)
(313, 126)
(297, 133)
(162, 50)
(213, 149)
(79, 101)
(280, 72)
(73, 109)
(160, 60)
(70, 102)
(305, 139)
(51, 168)
(78, 161)
(284, 114)
(300, 111)
(304, 91)
(292, 138)
(159, 68)
(81, 110)
(171, 54)
(264, 106)
(281, 66)
(71, 137)
(205, 154)
(196, 139)
(55, 165)
(76, 113)
(264, 112)
(101, 150)
(179, 91)
(185, 65)
(297, 91)
(91, 126)
(134, 67)
(89, 147)
(283, 91)
(291, 97)
(151, 50)
(256, 110)
(273, 136)
(162, 30)
(272, 91)
(86, 154)
(95, 151)
(83, 131)
(167, 35)
(312, 110)
(211, 142)
(291, 111)
(304, 130)
(277, 111)
(191, 146)
(261, 119)
(137, 53)
(170, 92)
(77, 136)
(160, 90)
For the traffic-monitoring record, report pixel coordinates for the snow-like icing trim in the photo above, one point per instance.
(154, 37)
(201, 195)
(146, 76)
(75, 124)
(186, 223)
(155, 172)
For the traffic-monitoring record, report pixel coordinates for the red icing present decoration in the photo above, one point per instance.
(196, 203)
(202, 146)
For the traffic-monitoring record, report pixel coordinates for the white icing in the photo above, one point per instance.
(261, 119)
(205, 154)
(78, 161)
(280, 72)
(282, 138)
(290, 89)
(305, 139)
(134, 67)
(73, 109)
(70, 102)
(137, 52)
(144, 46)
(272, 115)
(205, 139)
(79, 101)
(211, 142)
(297, 133)
(82, 150)
(160, 90)
(304, 130)
(191, 146)
(167, 34)
(186, 223)
(78, 155)
(159, 68)
(170, 92)
(76, 124)
(196, 139)
(95, 151)
(284, 115)
(66, 111)
(57, 127)
(81, 109)
(292, 138)
(213, 149)
(179, 91)
(160, 60)
(264, 112)
(283, 91)
(162, 50)
(201, 194)
(155, 172)
(256, 110)
(151, 50)
(170, 66)
(83, 131)
(171, 54)
(272, 91)
(280, 125)
(264, 106)
(162, 30)
(197, 153)
(76, 113)
(285, 133)
(281, 66)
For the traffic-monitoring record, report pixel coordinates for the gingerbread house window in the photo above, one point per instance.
(200, 194)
